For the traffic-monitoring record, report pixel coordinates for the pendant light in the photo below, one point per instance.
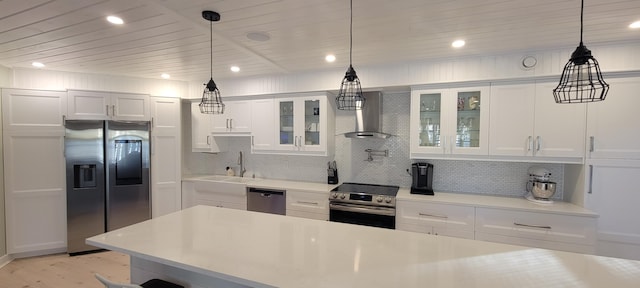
(581, 79)
(211, 101)
(350, 95)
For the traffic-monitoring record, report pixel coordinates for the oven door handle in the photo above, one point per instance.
(385, 211)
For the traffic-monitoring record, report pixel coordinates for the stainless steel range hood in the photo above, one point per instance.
(369, 118)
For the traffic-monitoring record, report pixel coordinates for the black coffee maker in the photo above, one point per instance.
(422, 174)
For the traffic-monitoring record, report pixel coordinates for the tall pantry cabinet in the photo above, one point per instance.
(613, 168)
(34, 165)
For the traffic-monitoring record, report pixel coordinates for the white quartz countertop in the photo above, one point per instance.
(475, 200)
(266, 250)
(265, 183)
(467, 199)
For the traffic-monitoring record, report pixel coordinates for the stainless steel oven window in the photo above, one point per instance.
(383, 217)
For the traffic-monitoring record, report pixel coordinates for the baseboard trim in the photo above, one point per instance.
(4, 260)
(39, 253)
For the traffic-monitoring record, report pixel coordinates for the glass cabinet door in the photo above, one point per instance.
(286, 123)
(430, 119)
(468, 119)
(311, 122)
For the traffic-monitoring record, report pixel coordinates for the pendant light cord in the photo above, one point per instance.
(581, 16)
(351, 33)
(211, 46)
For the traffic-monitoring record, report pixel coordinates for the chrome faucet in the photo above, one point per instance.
(241, 163)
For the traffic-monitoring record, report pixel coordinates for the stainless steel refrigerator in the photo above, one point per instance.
(107, 178)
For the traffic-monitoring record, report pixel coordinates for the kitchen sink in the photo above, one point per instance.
(229, 179)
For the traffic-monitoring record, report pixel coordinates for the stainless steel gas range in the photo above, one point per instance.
(364, 204)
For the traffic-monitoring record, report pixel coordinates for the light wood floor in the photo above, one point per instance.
(62, 271)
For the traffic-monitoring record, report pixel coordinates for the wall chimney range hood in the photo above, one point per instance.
(369, 118)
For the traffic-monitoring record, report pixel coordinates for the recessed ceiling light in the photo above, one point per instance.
(165, 75)
(115, 20)
(458, 43)
(635, 25)
(37, 64)
(258, 36)
(235, 68)
(330, 58)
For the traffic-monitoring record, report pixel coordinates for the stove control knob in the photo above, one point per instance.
(388, 200)
(379, 199)
(334, 195)
(342, 196)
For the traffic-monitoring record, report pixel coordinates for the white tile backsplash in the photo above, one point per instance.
(481, 177)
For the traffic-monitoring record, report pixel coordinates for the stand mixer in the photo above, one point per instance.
(539, 188)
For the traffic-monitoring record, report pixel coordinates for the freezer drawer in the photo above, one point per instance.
(266, 200)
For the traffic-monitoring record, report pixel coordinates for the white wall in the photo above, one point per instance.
(612, 58)
(59, 80)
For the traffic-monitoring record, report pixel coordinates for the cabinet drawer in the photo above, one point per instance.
(443, 231)
(220, 191)
(435, 215)
(533, 225)
(222, 204)
(311, 202)
(570, 247)
(308, 215)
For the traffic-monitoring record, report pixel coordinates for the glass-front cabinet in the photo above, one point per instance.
(302, 124)
(447, 122)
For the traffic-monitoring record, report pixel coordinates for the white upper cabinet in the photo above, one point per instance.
(93, 105)
(262, 124)
(304, 125)
(612, 127)
(235, 120)
(449, 123)
(34, 110)
(201, 138)
(526, 122)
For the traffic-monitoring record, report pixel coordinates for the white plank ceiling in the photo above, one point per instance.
(170, 36)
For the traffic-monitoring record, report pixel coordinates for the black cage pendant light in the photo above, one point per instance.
(581, 79)
(211, 101)
(350, 95)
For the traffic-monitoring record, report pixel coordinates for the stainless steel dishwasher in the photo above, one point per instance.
(266, 200)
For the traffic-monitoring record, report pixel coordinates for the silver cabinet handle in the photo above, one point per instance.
(592, 143)
(532, 226)
(530, 143)
(308, 203)
(433, 215)
(107, 106)
(252, 141)
(300, 141)
(538, 143)
(113, 110)
(227, 125)
(208, 140)
(295, 141)
(230, 123)
(590, 179)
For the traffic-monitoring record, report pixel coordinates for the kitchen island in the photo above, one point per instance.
(216, 247)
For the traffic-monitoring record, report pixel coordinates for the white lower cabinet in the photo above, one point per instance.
(306, 204)
(543, 230)
(211, 193)
(437, 219)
